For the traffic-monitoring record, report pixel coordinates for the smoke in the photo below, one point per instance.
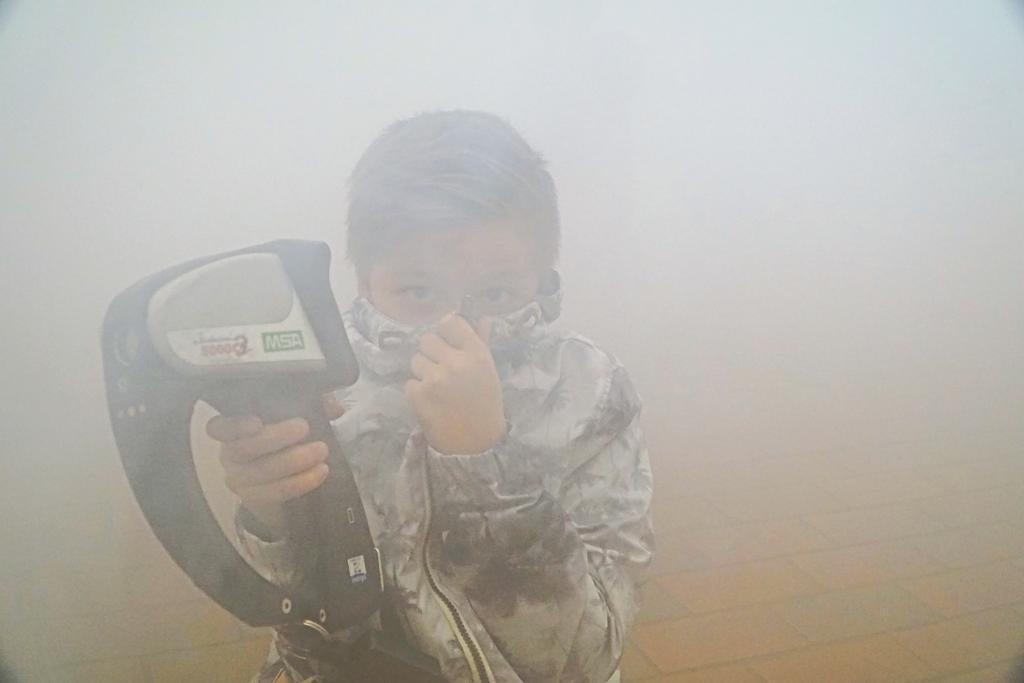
(798, 225)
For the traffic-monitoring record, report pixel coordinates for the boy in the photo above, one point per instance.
(501, 463)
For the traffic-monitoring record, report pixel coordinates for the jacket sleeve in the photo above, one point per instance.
(277, 561)
(552, 575)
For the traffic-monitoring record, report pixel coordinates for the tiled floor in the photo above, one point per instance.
(900, 563)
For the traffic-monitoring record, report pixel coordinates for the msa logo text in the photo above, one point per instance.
(290, 340)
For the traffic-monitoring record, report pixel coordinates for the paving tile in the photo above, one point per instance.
(91, 546)
(759, 541)
(676, 552)
(738, 585)
(108, 671)
(159, 583)
(863, 564)
(1004, 672)
(91, 585)
(808, 471)
(877, 458)
(884, 488)
(853, 612)
(982, 473)
(970, 589)
(904, 456)
(254, 632)
(658, 604)
(715, 674)
(229, 663)
(876, 659)
(719, 638)
(971, 508)
(768, 503)
(128, 516)
(967, 642)
(128, 633)
(92, 508)
(635, 666)
(864, 525)
(691, 477)
(690, 511)
(975, 545)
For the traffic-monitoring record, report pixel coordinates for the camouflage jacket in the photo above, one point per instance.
(540, 542)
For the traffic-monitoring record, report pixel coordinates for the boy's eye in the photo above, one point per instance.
(417, 294)
(496, 296)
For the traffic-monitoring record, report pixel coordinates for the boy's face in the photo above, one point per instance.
(426, 277)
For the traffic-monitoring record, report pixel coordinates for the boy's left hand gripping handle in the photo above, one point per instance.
(339, 563)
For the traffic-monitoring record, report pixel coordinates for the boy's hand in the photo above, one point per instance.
(455, 389)
(266, 465)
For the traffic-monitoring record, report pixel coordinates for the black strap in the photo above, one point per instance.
(376, 657)
(389, 622)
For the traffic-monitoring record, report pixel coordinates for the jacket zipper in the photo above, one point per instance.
(478, 664)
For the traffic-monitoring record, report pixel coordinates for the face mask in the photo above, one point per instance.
(390, 344)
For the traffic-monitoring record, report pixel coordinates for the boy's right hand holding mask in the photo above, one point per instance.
(267, 465)
(455, 389)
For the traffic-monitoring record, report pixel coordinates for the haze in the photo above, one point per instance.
(799, 225)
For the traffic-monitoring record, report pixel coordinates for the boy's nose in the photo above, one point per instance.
(470, 310)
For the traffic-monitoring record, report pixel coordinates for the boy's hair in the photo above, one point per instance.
(450, 169)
